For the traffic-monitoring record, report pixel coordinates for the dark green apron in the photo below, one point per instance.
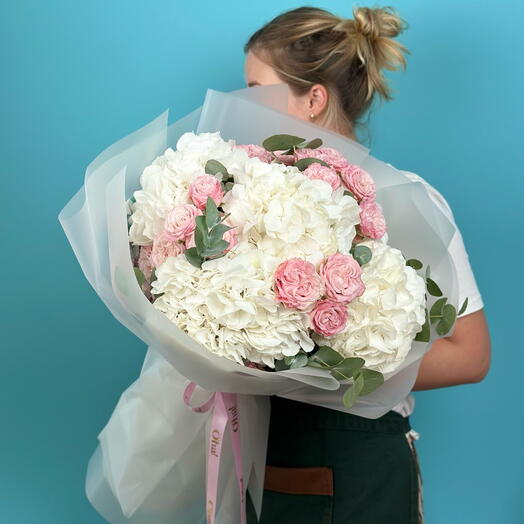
(329, 467)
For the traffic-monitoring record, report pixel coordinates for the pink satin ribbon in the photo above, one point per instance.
(225, 409)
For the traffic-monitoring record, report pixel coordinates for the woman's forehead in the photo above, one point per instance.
(258, 72)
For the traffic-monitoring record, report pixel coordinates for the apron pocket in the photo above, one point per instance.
(297, 495)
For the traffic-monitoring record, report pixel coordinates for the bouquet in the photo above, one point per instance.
(252, 264)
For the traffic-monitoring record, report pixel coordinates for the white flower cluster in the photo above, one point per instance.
(165, 183)
(385, 319)
(229, 305)
(286, 214)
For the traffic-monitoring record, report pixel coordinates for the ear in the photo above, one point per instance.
(317, 99)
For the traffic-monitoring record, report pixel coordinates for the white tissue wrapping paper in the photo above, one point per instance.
(149, 466)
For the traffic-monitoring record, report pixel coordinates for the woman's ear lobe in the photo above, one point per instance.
(318, 98)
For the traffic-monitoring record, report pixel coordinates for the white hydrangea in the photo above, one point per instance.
(165, 183)
(385, 319)
(152, 202)
(228, 307)
(285, 214)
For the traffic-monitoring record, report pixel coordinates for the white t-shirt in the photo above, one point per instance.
(466, 279)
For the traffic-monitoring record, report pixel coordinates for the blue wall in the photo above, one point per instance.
(77, 76)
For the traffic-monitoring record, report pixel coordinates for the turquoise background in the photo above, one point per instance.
(77, 76)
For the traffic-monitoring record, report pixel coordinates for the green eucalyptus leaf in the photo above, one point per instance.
(414, 263)
(304, 163)
(216, 249)
(433, 288)
(435, 313)
(296, 361)
(463, 307)
(325, 357)
(201, 236)
(442, 328)
(281, 142)
(349, 193)
(193, 257)
(217, 233)
(200, 241)
(211, 214)
(427, 272)
(352, 393)
(362, 254)
(424, 334)
(347, 368)
(221, 245)
(139, 276)
(449, 314)
(311, 144)
(211, 210)
(213, 167)
(280, 365)
(288, 360)
(372, 380)
(200, 222)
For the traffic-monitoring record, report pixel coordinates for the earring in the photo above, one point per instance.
(312, 116)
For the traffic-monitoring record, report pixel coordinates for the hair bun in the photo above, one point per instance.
(377, 22)
(369, 36)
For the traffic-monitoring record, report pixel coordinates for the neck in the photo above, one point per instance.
(343, 128)
(346, 131)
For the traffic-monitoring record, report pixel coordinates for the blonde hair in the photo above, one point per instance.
(308, 45)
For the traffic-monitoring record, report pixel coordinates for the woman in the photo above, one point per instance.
(344, 468)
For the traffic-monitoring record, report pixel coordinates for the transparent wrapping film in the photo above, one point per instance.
(150, 466)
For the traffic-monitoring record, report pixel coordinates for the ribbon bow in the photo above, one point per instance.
(225, 409)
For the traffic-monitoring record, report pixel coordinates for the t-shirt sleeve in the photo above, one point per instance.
(466, 279)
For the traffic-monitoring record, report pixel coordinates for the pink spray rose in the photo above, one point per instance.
(204, 186)
(297, 284)
(317, 171)
(372, 221)
(189, 241)
(329, 155)
(358, 181)
(329, 317)
(164, 247)
(144, 261)
(342, 277)
(180, 221)
(254, 151)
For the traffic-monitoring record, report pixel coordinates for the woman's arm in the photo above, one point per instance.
(462, 358)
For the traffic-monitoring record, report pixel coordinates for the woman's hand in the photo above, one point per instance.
(462, 358)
